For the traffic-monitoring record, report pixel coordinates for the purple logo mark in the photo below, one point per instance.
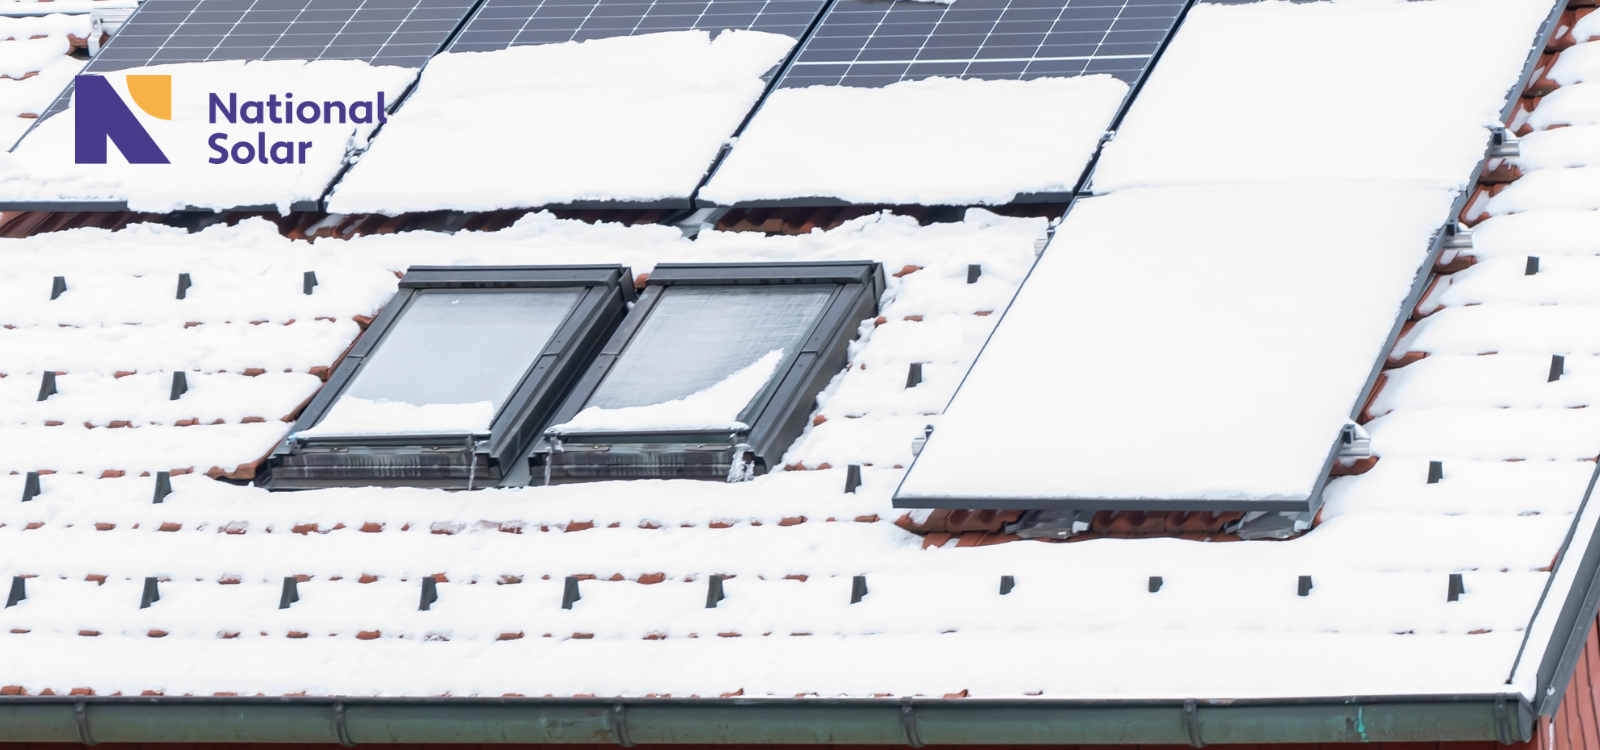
(99, 114)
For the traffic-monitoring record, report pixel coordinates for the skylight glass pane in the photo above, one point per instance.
(450, 362)
(701, 356)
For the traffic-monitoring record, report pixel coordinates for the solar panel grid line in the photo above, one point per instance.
(873, 43)
(151, 21)
(501, 24)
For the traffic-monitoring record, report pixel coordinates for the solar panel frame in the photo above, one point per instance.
(873, 43)
(500, 24)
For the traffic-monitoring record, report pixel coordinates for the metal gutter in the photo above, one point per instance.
(646, 721)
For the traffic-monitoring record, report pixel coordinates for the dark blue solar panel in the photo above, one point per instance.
(499, 24)
(382, 32)
(879, 42)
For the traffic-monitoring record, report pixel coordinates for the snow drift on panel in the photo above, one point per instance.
(714, 408)
(626, 118)
(1351, 90)
(935, 141)
(1226, 371)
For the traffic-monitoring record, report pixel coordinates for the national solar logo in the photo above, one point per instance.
(100, 116)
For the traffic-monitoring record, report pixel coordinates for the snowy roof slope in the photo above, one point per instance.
(41, 168)
(36, 63)
(1377, 621)
(1471, 402)
(637, 118)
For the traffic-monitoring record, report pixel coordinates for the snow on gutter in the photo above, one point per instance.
(1505, 718)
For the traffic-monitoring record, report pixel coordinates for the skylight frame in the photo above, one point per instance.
(439, 459)
(776, 416)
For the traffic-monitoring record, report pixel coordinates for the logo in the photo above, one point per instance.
(99, 115)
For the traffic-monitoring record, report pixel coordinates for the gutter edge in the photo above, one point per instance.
(1504, 718)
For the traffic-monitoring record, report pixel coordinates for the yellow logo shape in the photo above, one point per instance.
(153, 94)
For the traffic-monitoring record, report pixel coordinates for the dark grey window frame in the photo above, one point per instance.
(776, 416)
(445, 460)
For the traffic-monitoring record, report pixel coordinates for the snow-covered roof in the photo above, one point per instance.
(36, 62)
(1515, 459)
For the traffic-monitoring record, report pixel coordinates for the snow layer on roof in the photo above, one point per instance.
(19, 57)
(54, 24)
(1376, 622)
(1487, 399)
(35, 65)
(118, 332)
(1335, 112)
(20, 7)
(1117, 364)
(42, 168)
(933, 141)
(636, 118)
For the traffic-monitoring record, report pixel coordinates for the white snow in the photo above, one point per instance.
(75, 448)
(145, 398)
(54, 24)
(624, 118)
(24, 8)
(716, 407)
(35, 65)
(42, 167)
(1377, 621)
(1334, 111)
(934, 141)
(19, 57)
(351, 415)
(1116, 373)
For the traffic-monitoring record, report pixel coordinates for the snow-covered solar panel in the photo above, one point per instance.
(876, 43)
(1023, 90)
(1209, 370)
(508, 23)
(613, 103)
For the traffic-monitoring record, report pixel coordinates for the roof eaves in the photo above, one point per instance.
(1504, 718)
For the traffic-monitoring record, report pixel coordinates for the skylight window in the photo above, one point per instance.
(712, 374)
(449, 363)
(739, 337)
(456, 376)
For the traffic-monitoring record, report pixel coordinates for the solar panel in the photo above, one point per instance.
(510, 23)
(382, 32)
(875, 43)
(403, 33)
